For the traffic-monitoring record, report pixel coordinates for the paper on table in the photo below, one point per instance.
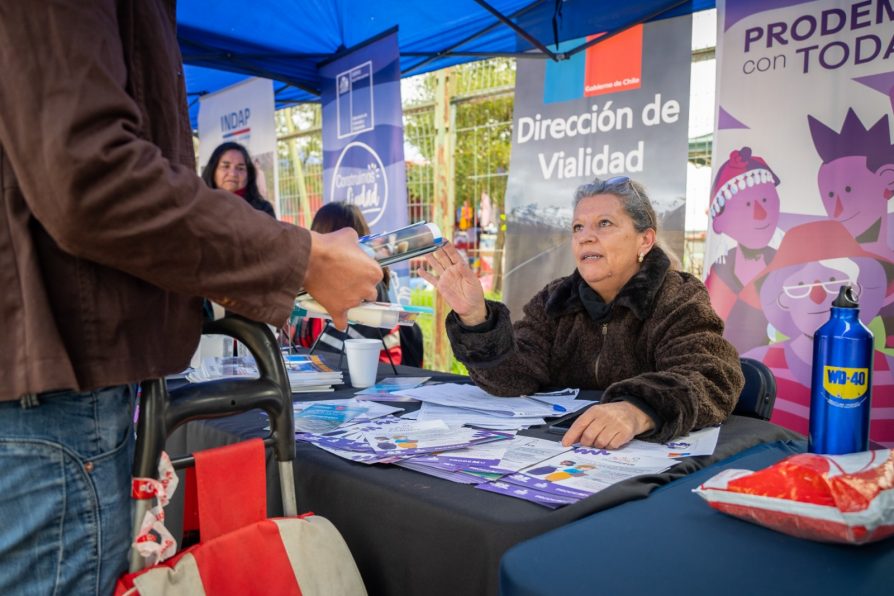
(458, 417)
(700, 442)
(371, 409)
(580, 473)
(411, 437)
(384, 389)
(471, 397)
(323, 417)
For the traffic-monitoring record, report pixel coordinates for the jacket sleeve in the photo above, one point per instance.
(502, 358)
(698, 376)
(75, 141)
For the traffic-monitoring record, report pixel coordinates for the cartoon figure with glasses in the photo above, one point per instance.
(796, 292)
(744, 207)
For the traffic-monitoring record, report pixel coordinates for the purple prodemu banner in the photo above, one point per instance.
(363, 138)
(803, 180)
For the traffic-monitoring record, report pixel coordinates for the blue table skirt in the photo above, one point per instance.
(673, 543)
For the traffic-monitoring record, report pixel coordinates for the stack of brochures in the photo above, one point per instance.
(307, 373)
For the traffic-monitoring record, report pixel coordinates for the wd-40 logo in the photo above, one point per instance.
(845, 383)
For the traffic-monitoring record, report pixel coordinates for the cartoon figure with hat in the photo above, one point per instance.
(745, 207)
(856, 183)
(796, 292)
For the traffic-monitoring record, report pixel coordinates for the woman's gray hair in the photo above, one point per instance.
(632, 195)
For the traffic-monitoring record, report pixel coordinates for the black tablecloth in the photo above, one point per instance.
(415, 534)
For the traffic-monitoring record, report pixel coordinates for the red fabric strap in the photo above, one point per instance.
(231, 487)
(251, 560)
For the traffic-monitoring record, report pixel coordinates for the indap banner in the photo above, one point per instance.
(619, 108)
(801, 203)
(363, 138)
(243, 113)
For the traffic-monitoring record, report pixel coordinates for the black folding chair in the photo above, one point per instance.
(759, 393)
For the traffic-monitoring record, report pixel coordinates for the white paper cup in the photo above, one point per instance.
(363, 361)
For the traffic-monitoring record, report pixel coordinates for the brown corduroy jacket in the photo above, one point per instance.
(661, 345)
(107, 235)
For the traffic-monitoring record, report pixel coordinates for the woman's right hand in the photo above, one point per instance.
(456, 283)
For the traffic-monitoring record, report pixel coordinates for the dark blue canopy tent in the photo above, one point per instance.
(285, 40)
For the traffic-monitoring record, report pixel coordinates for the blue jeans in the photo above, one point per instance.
(65, 469)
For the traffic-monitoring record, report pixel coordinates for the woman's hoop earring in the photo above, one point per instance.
(640, 258)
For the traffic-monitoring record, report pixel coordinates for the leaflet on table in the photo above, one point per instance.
(460, 416)
(700, 442)
(374, 314)
(444, 474)
(411, 437)
(371, 410)
(470, 397)
(576, 474)
(322, 417)
(492, 459)
(384, 389)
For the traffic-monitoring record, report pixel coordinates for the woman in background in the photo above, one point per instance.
(331, 217)
(231, 168)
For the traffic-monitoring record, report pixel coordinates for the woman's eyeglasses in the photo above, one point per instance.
(620, 183)
(616, 182)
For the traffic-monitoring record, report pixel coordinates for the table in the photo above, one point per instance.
(416, 534)
(674, 543)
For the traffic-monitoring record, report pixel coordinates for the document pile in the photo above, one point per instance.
(469, 405)
(306, 372)
(579, 472)
(387, 439)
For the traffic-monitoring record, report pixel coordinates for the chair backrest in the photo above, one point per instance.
(759, 393)
(411, 345)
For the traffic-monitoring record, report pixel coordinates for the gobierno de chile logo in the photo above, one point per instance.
(359, 178)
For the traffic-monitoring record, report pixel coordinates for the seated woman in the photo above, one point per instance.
(230, 168)
(623, 322)
(329, 218)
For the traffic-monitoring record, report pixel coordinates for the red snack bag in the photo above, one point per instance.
(830, 498)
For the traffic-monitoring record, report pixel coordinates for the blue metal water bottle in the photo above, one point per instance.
(842, 381)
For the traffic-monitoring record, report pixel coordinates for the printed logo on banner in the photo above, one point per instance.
(359, 178)
(607, 67)
(354, 101)
(235, 125)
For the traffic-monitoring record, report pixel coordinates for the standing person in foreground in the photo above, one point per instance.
(108, 241)
(623, 322)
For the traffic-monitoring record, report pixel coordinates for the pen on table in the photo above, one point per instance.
(555, 407)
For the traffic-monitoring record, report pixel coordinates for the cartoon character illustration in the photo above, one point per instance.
(745, 207)
(404, 442)
(547, 469)
(571, 472)
(385, 444)
(813, 262)
(856, 181)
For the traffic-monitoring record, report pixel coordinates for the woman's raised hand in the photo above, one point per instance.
(456, 283)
